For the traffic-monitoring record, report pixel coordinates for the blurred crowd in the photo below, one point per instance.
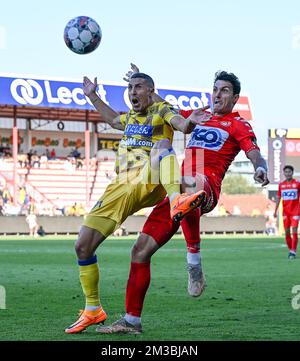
(25, 204)
(74, 160)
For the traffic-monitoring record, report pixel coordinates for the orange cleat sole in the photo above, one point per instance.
(194, 201)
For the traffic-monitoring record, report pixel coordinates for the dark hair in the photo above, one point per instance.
(233, 79)
(288, 167)
(144, 76)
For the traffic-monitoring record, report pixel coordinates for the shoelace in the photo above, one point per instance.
(195, 272)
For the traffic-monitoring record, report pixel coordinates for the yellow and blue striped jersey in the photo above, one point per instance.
(141, 132)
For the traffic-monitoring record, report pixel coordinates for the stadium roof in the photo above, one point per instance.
(47, 113)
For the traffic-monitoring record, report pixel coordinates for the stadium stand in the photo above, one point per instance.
(60, 182)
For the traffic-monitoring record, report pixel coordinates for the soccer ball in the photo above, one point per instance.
(82, 35)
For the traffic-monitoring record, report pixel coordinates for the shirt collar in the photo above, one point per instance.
(229, 116)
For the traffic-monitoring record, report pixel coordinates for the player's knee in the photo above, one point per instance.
(139, 254)
(143, 249)
(81, 250)
(88, 241)
(188, 184)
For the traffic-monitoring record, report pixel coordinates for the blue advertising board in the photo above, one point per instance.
(68, 94)
(26, 91)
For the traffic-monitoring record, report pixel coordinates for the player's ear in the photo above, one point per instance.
(235, 98)
(151, 90)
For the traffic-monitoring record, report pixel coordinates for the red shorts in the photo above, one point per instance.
(159, 224)
(290, 221)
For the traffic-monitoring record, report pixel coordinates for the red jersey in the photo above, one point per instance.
(220, 139)
(289, 192)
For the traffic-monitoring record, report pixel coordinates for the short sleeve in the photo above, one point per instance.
(167, 112)
(245, 136)
(123, 119)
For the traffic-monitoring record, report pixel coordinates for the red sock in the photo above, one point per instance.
(191, 229)
(137, 286)
(288, 240)
(294, 242)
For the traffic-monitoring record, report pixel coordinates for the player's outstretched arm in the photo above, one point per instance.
(183, 125)
(134, 69)
(187, 125)
(199, 116)
(109, 115)
(260, 166)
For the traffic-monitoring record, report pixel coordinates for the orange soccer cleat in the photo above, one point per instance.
(86, 319)
(184, 203)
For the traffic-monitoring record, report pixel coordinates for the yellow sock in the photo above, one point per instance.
(170, 174)
(89, 279)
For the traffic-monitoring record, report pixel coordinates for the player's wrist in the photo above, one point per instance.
(93, 97)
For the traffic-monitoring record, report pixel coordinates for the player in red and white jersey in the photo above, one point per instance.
(214, 145)
(289, 192)
(215, 141)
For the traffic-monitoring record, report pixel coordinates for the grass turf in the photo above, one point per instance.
(248, 295)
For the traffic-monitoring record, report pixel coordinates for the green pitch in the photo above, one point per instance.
(248, 295)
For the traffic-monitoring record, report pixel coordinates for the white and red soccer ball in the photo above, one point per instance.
(82, 35)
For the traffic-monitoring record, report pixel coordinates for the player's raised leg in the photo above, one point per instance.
(164, 158)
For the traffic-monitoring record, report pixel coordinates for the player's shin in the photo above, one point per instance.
(191, 230)
(288, 240)
(137, 286)
(89, 279)
(294, 243)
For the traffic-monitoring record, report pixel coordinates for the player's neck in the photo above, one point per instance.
(145, 110)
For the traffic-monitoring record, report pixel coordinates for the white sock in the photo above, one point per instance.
(193, 258)
(91, 308)
(133, 320)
